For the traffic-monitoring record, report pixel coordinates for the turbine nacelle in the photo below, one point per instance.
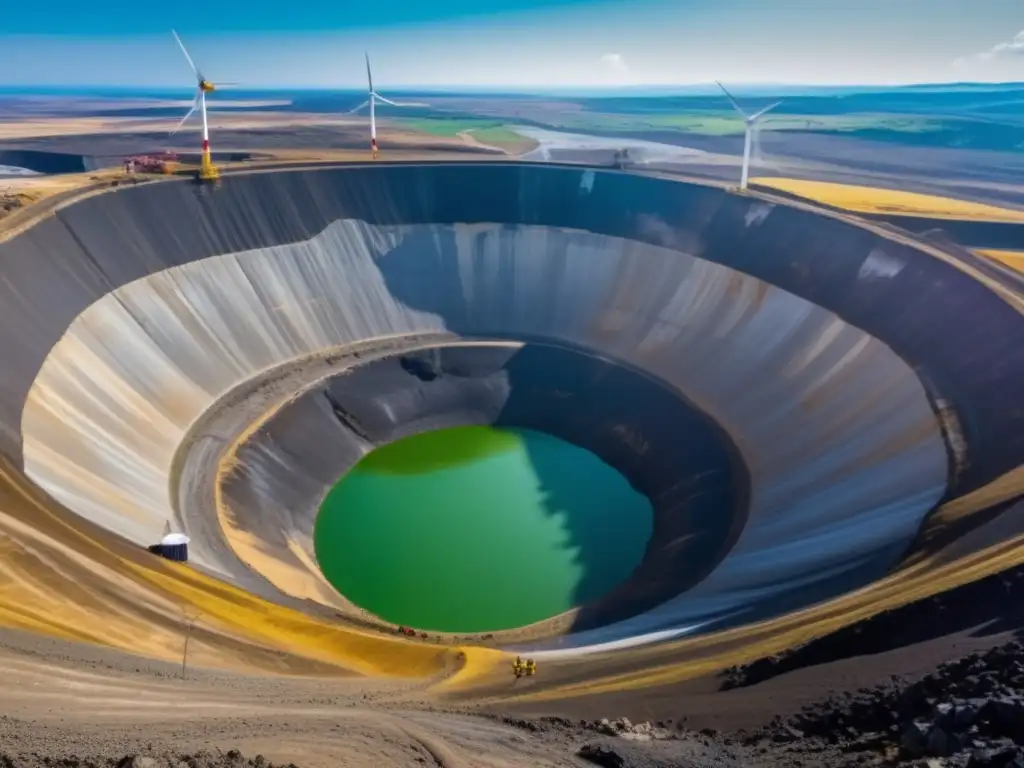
(757, 115)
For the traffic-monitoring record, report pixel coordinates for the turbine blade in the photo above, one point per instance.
(369, 75)
(199, 75)
(364, 104)
(195, 105)
(386, 101)
(380, 98)
(732, 101)
(764, 111)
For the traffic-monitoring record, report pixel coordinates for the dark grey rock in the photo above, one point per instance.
(602, 756)
(914, 740)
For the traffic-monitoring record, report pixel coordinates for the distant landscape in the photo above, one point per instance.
(968, 117)
(964, 116)
(959, 140)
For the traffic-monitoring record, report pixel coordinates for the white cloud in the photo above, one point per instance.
(615, 62)
(1014, 47)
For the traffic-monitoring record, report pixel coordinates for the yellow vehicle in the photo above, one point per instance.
(521, 667)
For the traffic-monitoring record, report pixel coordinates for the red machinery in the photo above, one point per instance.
(166, 162)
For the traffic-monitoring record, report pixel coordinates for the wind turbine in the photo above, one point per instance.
(207, 170)
(750, 121)
(372, 103)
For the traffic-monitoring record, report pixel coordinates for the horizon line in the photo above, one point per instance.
(525, 88)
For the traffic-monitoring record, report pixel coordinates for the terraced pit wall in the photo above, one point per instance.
(147, 331)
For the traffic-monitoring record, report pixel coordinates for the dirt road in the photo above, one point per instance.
(62, 698)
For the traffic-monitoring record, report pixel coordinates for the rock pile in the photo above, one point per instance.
(624, 729)
(9, 202)
(967, 713)
(758, 671)
(621, 728)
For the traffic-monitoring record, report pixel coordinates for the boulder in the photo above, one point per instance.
(941, 744)
(1006, 717)
(914, 740)
(993, 757)
(602, 756)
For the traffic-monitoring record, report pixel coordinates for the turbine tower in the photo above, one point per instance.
(207, 170)
(374, 97)
(750, 121)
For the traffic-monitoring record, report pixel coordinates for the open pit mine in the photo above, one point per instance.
(790, 397)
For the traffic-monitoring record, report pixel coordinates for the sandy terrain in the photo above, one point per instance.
(889, 201)
(58, 698)
(1012, 259)
(68, 699)
(42, 186)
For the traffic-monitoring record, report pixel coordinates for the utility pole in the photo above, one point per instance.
(188, 634)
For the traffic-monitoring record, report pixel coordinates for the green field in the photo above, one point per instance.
(725, 123)
(447, 126)
(701, 122)
(486, 131)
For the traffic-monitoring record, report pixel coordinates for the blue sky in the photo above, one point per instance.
(319, 43)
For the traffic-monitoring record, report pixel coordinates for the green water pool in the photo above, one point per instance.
(479, 529)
